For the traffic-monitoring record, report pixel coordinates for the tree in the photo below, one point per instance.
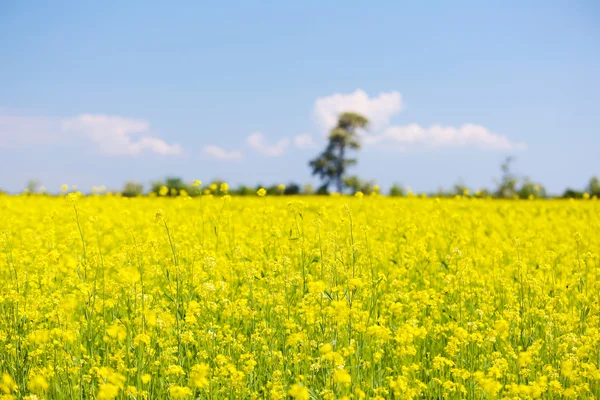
(292, 189)
(508, 185)
(174, 186)
(594, 186)
(332, 163)
(355, 184)
(132, 189)
(460, 189)
(531, 189)
(572, 194)
(33, 186)
(308, 189)
(397, 190)
(244, 190)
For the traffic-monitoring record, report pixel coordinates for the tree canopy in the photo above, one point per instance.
(331, 165)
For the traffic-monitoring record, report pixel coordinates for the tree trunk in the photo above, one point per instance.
(340, 169)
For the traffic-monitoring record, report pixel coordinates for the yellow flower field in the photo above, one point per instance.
(105, 297)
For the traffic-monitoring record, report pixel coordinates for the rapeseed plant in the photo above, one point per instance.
(362, 297)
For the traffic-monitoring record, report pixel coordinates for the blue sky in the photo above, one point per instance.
(97, 93)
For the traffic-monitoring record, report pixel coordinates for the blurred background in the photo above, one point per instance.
(102, 93)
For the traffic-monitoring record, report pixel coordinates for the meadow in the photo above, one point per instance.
(308, 297)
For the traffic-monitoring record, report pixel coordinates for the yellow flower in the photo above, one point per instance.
(163, 191)
(159, 215)
(502, 327)
(117, 331)
(141, 338)
(355, 283)
(108, 391)
(130, 275)
(262, 192)
(489, 385)
(72, 197)
(555, 387)
(525, 358)
(199, 375)
(342, 376)
(38, 383)
(299, 392)
(196, 183)
(224, 187)
(236, 293)
(174, 370)
(8, 384)
(566, 369)
(325, 349)
(180, 392)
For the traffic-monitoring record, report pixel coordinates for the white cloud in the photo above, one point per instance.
(219, 153)
(258, 142)
(109, 135)
(304, 141)
(379, 110)
(437, 136)
(118, 135)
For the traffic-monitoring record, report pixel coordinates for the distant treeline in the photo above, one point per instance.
(507, 188)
